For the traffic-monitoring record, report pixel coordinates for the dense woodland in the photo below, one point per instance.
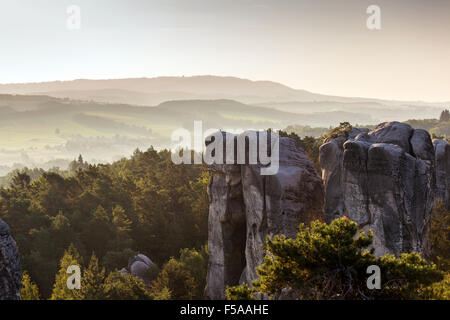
(145, 204)
(98, 216)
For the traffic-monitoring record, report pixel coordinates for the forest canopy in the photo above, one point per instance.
(144, 204)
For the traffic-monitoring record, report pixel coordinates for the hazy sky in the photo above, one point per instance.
(319, 45)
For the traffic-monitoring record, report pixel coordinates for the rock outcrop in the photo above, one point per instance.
(442, 151)
(139, 266)
(246, 206)
(10, 270)
(385, 181)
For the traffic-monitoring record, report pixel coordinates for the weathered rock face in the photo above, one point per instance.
(246, 206)
(385, 181)
(10, 270)
(331, 154)
(442, 151)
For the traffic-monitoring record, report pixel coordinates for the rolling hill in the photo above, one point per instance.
(36, 129)
(153, 91)
(107, 119)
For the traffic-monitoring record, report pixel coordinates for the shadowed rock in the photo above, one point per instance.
(442, 149)
(10, 270)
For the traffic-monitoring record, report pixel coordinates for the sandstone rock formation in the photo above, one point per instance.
(10, 270)
(385, 181)
(442, 151)
(246, 206)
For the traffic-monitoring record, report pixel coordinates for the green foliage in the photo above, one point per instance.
(29, 290)
(92, 283)
(196, 263)
(164, 294)
(342, 130)
(23, 177)
(118, 286)
(113, 259)
(442, 130)
(242, 292)
(143, 204)
(329, 262)
(426, 124)
(177, 279)
(438, 129)
(77, 164)
(184, 278)
(153, 272)
(95, 285)
(437, 291)
(440, 237)
(445, 116)
(60, 290)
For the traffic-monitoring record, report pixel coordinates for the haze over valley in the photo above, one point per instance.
(49, 124)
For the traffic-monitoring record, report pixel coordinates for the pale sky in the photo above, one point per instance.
(322, 46)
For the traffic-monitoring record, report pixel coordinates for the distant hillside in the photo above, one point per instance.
(36, 129)
(433, 126)
(153, 91)
(378, 111)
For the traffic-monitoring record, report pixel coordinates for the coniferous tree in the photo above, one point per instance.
(196, 263)
(29, 290)
(119, 286)
(140, 205)
(177, 279)
(440, 237)
(329, 262)
(60, 289)
(122, 226)
(445, 116)
(93, 278)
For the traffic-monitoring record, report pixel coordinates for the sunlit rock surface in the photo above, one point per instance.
(385, 181)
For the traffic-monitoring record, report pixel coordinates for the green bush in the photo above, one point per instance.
(330, 262)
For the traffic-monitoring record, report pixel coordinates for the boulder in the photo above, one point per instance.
(10, 269)
(139, 266)
(385, 181)
(247, 206)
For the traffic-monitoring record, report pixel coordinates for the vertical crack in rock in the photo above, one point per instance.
(227, 229)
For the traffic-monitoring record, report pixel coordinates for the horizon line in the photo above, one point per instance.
(222, 76)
